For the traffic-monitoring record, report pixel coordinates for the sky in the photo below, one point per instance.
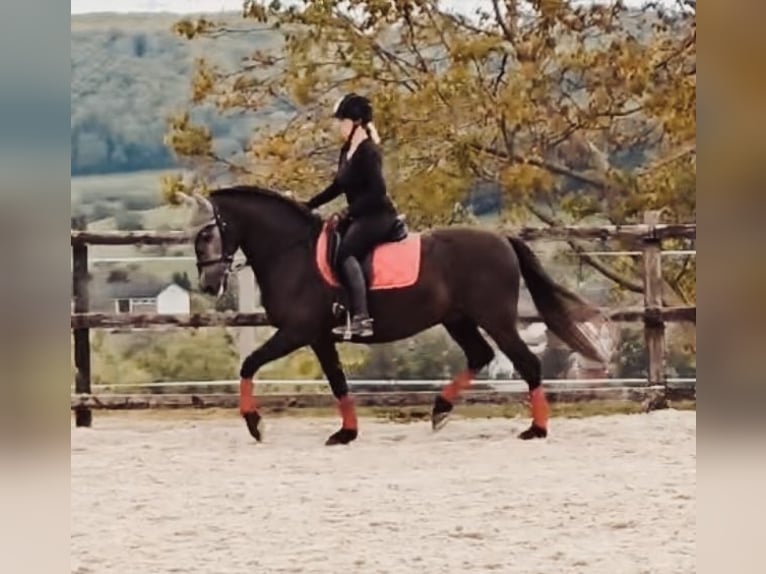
(176, 6)
(193, 6)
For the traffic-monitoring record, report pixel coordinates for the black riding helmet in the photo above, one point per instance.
(355, 108)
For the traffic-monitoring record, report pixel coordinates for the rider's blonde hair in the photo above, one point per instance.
(372, 131)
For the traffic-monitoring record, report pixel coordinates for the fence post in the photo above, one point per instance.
(83, 414)
(654, 326)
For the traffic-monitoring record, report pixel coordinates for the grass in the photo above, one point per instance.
(88, 190)
(91, 188)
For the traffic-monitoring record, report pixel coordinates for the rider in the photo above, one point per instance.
(371, 213)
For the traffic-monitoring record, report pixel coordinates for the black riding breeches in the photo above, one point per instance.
(363, 235)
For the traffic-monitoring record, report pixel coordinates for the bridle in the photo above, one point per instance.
(227, 258)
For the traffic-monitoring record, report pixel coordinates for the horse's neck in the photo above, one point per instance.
(278, 273)
(268, 236)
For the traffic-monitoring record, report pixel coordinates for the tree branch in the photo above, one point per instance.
(500, 74)
(554, 168)
(688, 149)
(413, 44)
(462, 22)
(678, 277)
(691, 40)
(385, 55)
(507, 32)
(623, 282)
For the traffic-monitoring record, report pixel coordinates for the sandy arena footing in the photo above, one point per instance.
(614, 494)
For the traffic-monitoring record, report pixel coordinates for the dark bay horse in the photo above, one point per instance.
(468, 279)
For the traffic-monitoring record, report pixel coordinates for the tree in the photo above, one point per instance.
(181, 278)
(429, 355)
(118, 276)
(576, 110)
(129, 221)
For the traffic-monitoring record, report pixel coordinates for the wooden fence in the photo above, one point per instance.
(646, 237)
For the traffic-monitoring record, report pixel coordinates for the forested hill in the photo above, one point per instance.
(128, 73)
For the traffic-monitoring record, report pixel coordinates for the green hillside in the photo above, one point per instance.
(129, 72)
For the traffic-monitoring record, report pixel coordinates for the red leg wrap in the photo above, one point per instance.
(247, 402)
(461, 382)
(348, 412)
(540, 409)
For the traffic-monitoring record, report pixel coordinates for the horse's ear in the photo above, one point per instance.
(203, 204)
(185, 199)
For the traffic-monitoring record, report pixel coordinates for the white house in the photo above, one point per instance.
(169, 299)
(136, 293)
(173, 300)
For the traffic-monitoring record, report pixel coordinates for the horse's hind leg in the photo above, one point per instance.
(478, 354)
(528, 365)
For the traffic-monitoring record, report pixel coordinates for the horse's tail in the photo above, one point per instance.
(559, 308)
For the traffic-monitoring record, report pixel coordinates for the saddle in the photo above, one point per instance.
(392, 264)
(336, 229)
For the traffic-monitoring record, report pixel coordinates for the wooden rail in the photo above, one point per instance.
(647, 237)
(383, 398)
(232, 319)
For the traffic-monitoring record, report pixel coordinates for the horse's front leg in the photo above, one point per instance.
(282, 343)
(327, 354)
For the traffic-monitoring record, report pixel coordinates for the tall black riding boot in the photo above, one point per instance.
(361, 323)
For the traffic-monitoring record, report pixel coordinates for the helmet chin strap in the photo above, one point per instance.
(351, 134)
(353, 131)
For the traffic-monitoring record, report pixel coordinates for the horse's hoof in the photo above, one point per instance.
(533, 431)
(440, 413)
(439, 421)
(343, 436)
(254, 423)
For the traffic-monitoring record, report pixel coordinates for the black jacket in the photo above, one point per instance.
(361, 179)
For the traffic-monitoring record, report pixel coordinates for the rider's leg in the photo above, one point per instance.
(356, 243)
(362, 236)
(354, 279)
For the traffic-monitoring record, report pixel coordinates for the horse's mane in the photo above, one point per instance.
(250, 192)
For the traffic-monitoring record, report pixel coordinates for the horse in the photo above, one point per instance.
(463, 278)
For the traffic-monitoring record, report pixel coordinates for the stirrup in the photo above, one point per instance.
(345, 330)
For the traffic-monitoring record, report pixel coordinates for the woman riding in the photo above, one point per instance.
(371, 213)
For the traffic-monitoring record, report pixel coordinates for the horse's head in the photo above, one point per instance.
(214, 243)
